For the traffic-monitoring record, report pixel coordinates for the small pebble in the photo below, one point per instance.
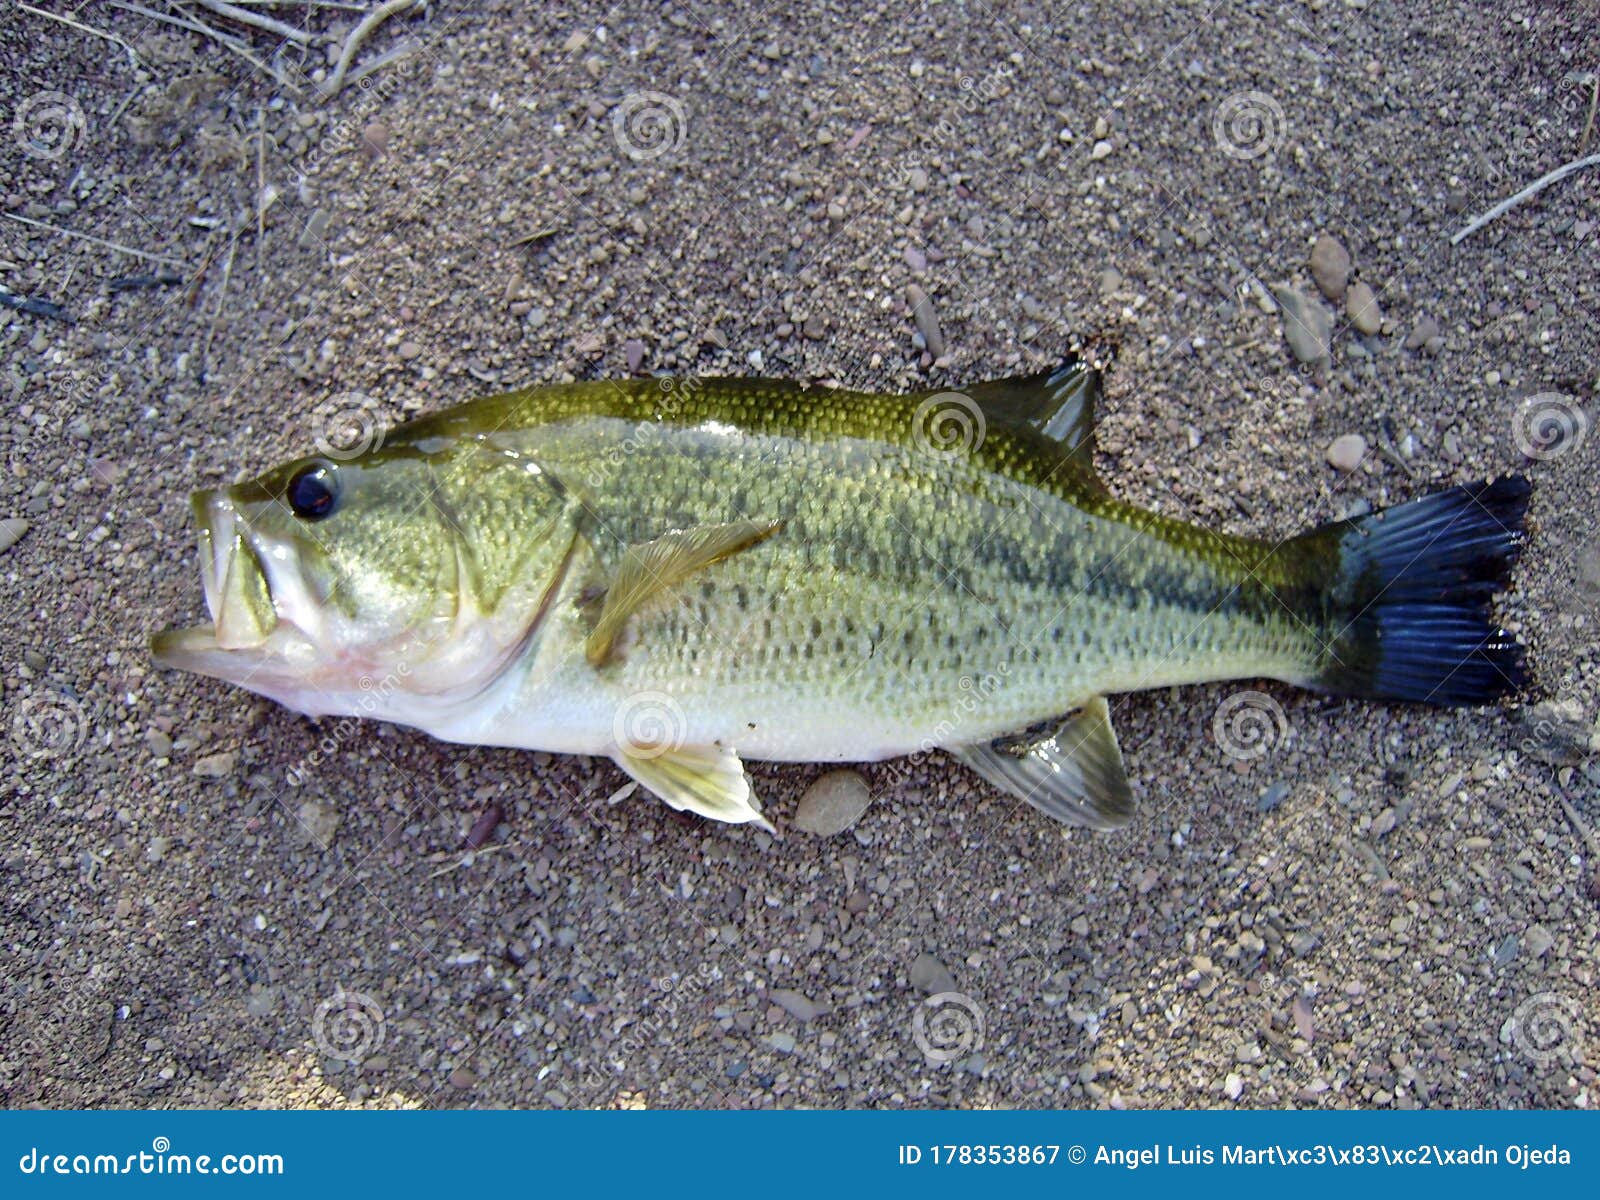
(1425, 330)
(158, 743)
(215, 766)
(1361, 306)
(1538, 941)
(11, 531)
(319, 822)
(796, 1005)
(375, 139)
(927, 323)
(1307, 325)
(1346, 453)
(633, 352)
(1102, 149)
(930, 975)
(409, 350)
(1330, 266)
(833, 803)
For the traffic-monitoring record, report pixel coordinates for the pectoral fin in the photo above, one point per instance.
(1074, 774)
(708, 780)
(650, 568)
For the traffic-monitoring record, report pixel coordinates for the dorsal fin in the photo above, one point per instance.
(1059, 403)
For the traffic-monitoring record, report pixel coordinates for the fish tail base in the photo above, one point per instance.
(1408, 608)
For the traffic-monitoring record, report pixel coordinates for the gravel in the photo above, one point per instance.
(623, 955)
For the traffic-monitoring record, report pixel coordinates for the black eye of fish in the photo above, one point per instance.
(313, 493)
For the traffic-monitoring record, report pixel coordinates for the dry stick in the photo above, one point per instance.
(261, 187)
(200, 27)
(374, 65)
(89, 238)
(352, 43)
(1532, 189)
(222, 298)
(1588, 125)
(79, 25)
(246, 17)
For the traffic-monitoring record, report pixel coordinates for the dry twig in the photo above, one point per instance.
(1533, 189)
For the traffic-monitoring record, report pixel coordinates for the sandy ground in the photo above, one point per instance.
(1372, 906)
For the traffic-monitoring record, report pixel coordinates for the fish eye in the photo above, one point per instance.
(313, 492)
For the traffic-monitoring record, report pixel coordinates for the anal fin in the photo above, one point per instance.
(1074, 774)
(708, 780)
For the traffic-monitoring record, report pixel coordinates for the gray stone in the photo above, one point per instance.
(833, 803)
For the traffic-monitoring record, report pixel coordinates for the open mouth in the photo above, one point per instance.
(238, 593)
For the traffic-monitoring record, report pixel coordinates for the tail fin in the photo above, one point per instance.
(1408, 607)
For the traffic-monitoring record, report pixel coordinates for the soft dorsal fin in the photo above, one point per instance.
(649, 568)
(1074, 772)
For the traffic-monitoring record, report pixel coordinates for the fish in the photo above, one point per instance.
(685, 573)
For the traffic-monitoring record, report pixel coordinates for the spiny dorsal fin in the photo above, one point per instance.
(1060, 403)
(649, 568)
(1075, 774)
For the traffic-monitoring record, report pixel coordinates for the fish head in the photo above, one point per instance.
(332, 584)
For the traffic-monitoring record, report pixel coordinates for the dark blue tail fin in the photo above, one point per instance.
(1408, 608)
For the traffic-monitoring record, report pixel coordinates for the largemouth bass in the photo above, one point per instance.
(681, 574)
